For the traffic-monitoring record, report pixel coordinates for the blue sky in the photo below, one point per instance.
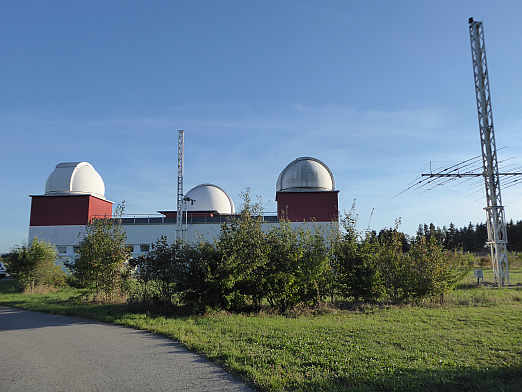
(374, 89)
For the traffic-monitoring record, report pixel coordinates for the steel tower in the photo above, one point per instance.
(179, 215)
(497, 236)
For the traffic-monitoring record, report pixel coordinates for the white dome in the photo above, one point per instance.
(305, 174)
(75, 178)
(209, 197)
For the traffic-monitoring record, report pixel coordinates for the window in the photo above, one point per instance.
(144, 247)
(62, 249)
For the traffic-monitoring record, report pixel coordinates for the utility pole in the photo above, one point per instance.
(497, 235)
(179, 214)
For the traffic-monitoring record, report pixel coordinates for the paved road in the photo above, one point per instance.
(43, 352)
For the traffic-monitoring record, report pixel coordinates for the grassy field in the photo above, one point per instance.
(472, 343)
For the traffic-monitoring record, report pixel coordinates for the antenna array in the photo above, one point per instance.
(475, 167)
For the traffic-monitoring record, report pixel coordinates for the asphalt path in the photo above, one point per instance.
(44, 352)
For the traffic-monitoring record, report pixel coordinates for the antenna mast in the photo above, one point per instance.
(497, 235)
(179, 214)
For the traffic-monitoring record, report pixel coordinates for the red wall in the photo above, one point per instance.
(308, 206)
(99, 208)
(67, 210)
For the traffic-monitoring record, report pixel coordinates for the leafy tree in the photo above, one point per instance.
(243, 249)
(385, 269)
(156, 273)
(34, 265)
(281, 283)
(390, 260)
(102, 256)
(200, 287)
(431, 270)
(357, 275)
(182, 273)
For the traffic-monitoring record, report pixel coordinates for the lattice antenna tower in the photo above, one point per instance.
(179, 214)
(496, 224)
(488, 168)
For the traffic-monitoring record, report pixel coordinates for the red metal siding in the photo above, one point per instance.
(67, 210)
(308, 206)
(99, 208)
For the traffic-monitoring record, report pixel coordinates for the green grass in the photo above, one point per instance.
(515, 276)
(474, 343)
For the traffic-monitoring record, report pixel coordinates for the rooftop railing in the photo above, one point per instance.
(157, 220)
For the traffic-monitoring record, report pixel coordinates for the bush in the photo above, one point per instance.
(202, 287)
(178, 274)
(356, 272)
(287, 267)
(291, 267)
(243, 250)
(383, 269)
(297, 268)
(102, 255)
(34, 266)
(156, 274)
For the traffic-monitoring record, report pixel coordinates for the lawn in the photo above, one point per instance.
(472, 343)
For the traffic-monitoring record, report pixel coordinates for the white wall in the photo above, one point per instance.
(70, 236)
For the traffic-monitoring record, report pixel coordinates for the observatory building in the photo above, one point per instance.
(305, 191)
(75, 194)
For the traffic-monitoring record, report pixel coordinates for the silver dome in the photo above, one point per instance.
(305, 174)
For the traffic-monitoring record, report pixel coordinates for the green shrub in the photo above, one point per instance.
(157, 273)
(356, 272)
(34, 266)
(297, 270)
(178, 274)
(281, 281)
(243, 249)
(201, 287)
(103, 252)
(382, 268)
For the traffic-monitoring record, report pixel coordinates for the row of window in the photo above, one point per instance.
(143, 247)
(62, 249)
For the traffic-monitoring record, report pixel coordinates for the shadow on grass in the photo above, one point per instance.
(463, 379)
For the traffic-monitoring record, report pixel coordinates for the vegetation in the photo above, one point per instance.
(470, 238)
(288, 289)
(247, 269)
(103, 252)
(297, 271)
(34, 266)
(243, 253)
(471, 343)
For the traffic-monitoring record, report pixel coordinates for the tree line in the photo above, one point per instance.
(470, 238)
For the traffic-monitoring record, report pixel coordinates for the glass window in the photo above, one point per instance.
(144, 247)
(62, 249)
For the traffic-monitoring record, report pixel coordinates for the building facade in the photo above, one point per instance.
(75, 194)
